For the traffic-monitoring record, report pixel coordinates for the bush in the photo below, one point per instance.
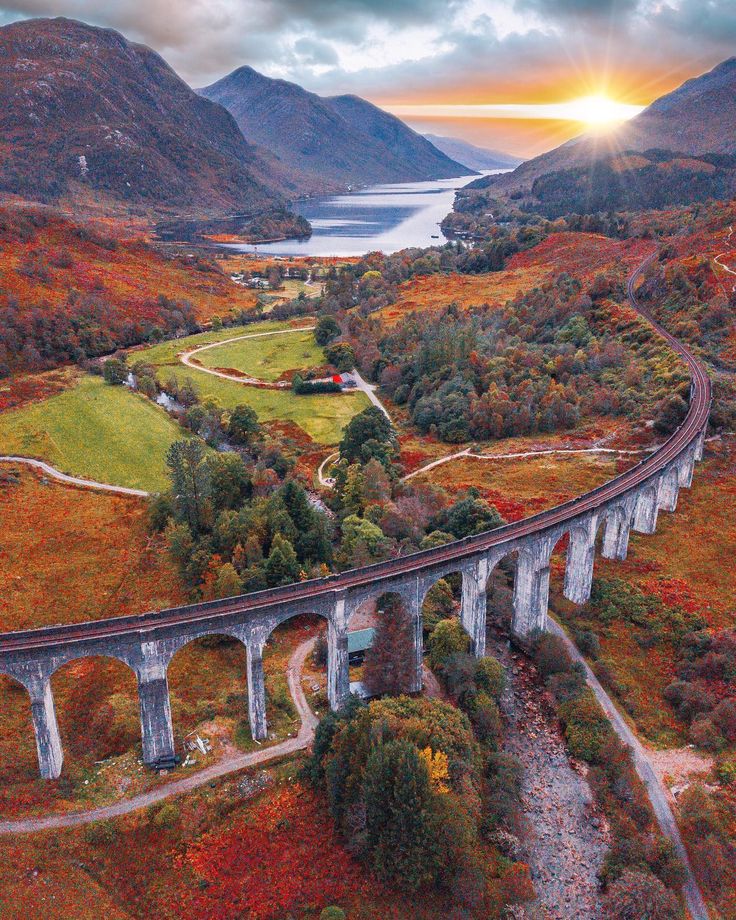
(588, 643)
(486, 719)
(101, 833)
(550, 655)
(586, 727)
(332, 913)
(115, 371)
(448, 638)
(490, 676)
(167, 816)
(641, 896)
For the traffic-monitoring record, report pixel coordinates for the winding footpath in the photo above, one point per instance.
(655, 790)
(717, 259)
(301, 740)
(186, 358)
(53, 473)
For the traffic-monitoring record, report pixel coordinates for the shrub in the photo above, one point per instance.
(588, 643)
(490, 676)
(486, 719)
(100, 833)
(115, 371)
(167, 816)
(332, 913)
(586, 727)
(641, 896)
(550, 655)
(448, 638)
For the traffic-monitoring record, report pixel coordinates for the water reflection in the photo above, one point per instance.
(385, 217)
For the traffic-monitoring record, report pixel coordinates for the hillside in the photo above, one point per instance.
(697, 119)
(329, 143)
(89, 118)
(471, 155)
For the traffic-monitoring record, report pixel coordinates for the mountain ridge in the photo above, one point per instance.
(331, 142)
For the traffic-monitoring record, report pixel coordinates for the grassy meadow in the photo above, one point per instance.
(322, 417)
(95, 431)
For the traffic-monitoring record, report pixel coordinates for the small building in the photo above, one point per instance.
(359, 641)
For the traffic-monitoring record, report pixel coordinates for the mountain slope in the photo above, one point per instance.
(326, 147)
(389, 131)
(471, 155)
(87, 117)
(697, 118)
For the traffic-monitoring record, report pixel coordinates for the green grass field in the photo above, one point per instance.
(322, 417)
(268, 357)
(95, 431)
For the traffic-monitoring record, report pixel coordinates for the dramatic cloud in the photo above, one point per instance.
(428, 51)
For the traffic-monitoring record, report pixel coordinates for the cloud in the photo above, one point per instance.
(585, 9)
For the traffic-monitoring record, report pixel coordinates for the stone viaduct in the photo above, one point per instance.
(147, 643)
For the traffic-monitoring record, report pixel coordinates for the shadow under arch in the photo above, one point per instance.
(96, 701)
(208, 693)
(18, 754)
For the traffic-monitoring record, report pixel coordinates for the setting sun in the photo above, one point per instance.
(599, 111)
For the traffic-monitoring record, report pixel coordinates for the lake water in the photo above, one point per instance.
(385, 217)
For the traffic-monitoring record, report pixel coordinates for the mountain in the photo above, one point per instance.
(475, 158)
(329, 142)
(88, 118)
(697, 119)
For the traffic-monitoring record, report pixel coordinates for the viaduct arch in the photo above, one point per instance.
(147, 643)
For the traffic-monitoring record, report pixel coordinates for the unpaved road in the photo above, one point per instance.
(74, 480)
(231, 765)
(647, 774)
(186, 357)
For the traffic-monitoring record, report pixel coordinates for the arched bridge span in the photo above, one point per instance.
(148, 642)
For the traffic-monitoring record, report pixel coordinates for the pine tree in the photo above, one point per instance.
(190, 479)
(282, 566)
(390, 662)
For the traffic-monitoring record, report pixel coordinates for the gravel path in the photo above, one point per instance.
(74, 480)
(302, 739)
(655, 790)
(565, 840)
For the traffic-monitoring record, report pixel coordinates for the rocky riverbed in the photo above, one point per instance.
(564, 839)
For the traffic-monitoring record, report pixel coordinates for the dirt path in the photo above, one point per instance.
(189, 783)
(74, 480)
(186, 357)
(529, 453)
(565, 840)
(648, 775)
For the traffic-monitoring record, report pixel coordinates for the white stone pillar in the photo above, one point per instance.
(473, 604)
(645, 511)
(531, 589)
(616, 534)
(580, 561)
(256, 690)
(687, 465)
(46, 728)
(669, 489)
(338, 671)
(157, 732)
(700, 445)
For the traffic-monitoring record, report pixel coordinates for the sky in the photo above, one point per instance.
(506, 74)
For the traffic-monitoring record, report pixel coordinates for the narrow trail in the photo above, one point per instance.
(654, 788)
(729, 252)
(186, 357)
(75, 480)
(188, 783)
(529, 453)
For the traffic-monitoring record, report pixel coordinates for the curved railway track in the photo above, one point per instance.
(690, 429)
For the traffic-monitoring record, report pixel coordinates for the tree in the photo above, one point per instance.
(390, 661)
(231, 484)
(368, 434)
(341, 355)
(227, 582)
(448, 638)
(641, 896)
(190, 480)
(243, 426)
(282, 566)
(326, 330)
(115, 371)
(399, 830)
(467, 516)
(439, 604)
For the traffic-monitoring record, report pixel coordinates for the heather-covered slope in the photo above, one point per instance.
(90, 118)
(327, 143)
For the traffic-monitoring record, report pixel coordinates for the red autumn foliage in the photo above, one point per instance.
(285, 857)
